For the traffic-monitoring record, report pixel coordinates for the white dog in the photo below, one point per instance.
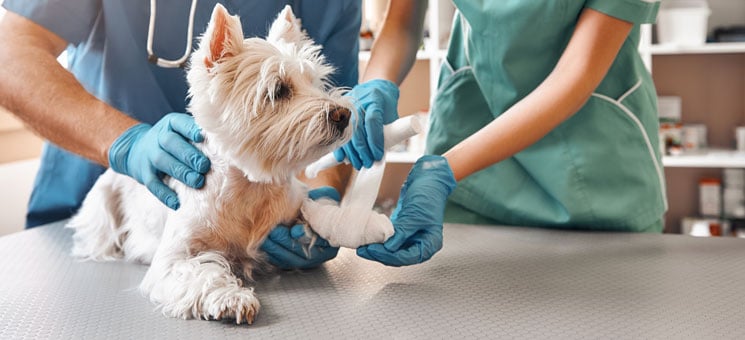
(267, 111)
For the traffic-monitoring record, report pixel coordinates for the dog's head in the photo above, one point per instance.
(266, 105)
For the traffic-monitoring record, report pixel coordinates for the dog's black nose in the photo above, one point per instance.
(339, 116)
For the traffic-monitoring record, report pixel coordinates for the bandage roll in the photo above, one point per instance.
(401, 130)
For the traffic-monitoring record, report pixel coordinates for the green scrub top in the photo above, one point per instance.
(600, 169)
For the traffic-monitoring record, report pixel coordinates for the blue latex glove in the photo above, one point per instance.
(417, 219)
(147, 153)
(286, 247)
(376, 102)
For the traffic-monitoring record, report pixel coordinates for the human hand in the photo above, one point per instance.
(287, 248)
(376, 102)
(417, 219)
(146, 153)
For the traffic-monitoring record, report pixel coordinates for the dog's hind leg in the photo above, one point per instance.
(97, 233)
(196, 286)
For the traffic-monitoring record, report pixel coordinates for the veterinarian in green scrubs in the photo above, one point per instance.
(112, 107)
(545, 116)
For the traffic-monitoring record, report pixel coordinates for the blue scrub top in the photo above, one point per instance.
(108, 55)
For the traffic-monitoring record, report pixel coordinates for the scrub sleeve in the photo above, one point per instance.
(600, 169)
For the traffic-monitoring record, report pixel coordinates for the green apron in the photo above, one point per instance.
(600, 169)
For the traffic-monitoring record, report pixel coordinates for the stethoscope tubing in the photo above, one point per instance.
(152, 57)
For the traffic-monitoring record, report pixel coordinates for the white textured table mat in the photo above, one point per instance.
(488, 282)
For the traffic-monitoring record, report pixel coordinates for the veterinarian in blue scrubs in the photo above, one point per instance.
(545, 116)
(113, 107)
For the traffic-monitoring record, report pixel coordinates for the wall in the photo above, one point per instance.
(18, 164)
(19, 152)
(19, 143)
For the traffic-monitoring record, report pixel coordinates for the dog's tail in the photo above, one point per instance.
(98, 235)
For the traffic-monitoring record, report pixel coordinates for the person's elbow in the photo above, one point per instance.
(20, 34)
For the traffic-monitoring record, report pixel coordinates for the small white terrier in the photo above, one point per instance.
(267, 111)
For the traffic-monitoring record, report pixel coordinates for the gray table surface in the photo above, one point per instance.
(487, 282)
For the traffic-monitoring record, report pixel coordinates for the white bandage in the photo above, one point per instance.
(353, 223)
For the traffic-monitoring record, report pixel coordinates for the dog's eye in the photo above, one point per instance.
(282, 91)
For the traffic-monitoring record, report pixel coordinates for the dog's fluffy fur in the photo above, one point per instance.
(267, 111)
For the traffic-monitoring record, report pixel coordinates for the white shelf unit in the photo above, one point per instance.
(710, 79)
(420, 55)
(401, 157)
(432, 55)
(415, 97)
(715, 158)
(432, 45)
(431, 51)
(709, 48)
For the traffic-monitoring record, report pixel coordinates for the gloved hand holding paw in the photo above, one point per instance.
(376, 102)
(418, 217)
(287, 247)
(147, 153)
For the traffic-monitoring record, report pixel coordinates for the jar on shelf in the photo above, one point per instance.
(733, 195)
(740, 138)
(683, 22)
(694, 137)
(710, 197)
(671, 138)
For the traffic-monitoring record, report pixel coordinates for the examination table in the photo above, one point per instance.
(487, 282)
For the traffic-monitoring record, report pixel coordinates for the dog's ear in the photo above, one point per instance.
(224, 36)
(286, 27)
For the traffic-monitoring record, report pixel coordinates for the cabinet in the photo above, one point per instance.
(710, 79)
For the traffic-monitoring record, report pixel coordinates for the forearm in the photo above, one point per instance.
(583, 65)
(394, 51)
(519, 127)
(48, 98)
(50, 101)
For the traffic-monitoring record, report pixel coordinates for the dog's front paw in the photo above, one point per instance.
(237, 302)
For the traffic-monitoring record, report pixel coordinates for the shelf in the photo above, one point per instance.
(401, 157)
(426, 54)
(709, 48)
(707, 159)
(420, 55)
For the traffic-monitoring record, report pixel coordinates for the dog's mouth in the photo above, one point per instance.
(333, 137)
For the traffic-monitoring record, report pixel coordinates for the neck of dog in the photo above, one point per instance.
(248, 166)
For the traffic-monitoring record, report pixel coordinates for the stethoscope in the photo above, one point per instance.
(181, 62)
(152, 57)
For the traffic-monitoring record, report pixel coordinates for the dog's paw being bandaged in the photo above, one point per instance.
(333, 224)
(353, 223)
